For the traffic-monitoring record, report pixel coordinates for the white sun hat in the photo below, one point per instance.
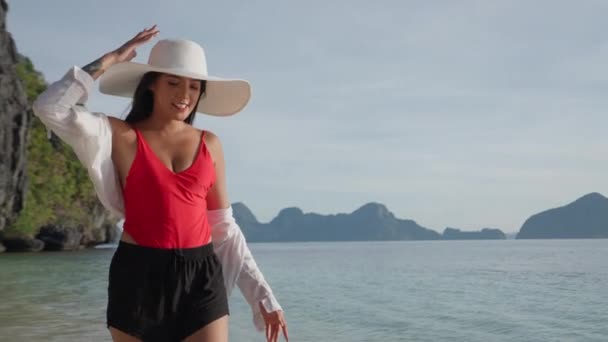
(185, 58)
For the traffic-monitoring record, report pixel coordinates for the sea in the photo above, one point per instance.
(499, 290)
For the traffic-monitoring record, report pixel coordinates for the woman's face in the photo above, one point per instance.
(175, 96)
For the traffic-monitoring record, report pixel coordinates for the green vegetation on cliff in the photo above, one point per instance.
(58, 189)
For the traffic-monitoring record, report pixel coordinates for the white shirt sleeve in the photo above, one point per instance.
(61, 109)
(57, 105)
(238, 264)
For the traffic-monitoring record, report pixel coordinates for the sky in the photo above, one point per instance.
(465, 114)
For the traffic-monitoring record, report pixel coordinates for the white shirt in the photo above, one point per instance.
(60, 107)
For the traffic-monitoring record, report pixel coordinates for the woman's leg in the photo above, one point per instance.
(119, 336)
(216, 331)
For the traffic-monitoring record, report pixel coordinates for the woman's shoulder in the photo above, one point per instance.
(213, 143)
(208, 135)
(121, 129)
(117, 124)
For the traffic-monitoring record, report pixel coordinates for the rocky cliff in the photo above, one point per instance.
(46, 198)
(14, 120)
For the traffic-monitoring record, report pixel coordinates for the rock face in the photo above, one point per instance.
(23, 245)
(60, 238)
(42, 184)
(15, 117)
(484, 234)
(372, 221)
(587, 218)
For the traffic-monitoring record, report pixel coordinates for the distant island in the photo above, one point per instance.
(484, 234)
(585, 218)
(371, 222)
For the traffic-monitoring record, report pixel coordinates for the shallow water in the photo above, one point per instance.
(508, 290)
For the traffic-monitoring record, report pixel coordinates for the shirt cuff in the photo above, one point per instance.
(271, 304)
(85, 80)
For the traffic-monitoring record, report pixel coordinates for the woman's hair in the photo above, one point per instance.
(143, 99)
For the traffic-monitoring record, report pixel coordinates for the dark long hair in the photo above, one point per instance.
(143, 100)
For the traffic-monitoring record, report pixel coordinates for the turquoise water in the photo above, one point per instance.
(511, 290)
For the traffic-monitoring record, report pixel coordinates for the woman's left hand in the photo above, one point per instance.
(275, 322)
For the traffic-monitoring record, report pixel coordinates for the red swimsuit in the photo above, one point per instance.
(164, 209)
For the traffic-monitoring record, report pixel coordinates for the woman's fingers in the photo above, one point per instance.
(146, 31)
(274, 323)
(127, 51)
(153, 27)
(144, 36)
(274, 330)
(275, 333)
(271, 332)
(285, 333)
(149, 32)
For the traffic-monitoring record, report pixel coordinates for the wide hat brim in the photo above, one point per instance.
(222, 96)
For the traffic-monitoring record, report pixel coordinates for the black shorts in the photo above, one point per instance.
(164, 294)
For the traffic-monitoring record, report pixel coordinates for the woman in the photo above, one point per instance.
(181, 252)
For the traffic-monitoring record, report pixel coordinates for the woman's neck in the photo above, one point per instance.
(163, 127)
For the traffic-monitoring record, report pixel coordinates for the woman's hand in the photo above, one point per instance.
(275, 322)
(127, 51)
(124, 53)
